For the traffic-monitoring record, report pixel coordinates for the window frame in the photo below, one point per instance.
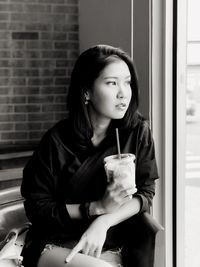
(162, 72)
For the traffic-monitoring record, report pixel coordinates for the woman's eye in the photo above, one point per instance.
(111, 83)
(128, 82)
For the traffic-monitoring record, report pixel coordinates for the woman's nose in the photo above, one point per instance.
(121, 92)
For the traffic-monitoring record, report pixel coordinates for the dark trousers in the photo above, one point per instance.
(136, 236)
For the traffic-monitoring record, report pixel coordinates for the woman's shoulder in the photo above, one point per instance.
(60, 126)
(145, 133)
(142, 129)
(140, 123)
(59, 132)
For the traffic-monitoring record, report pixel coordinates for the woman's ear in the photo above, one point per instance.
(87, 97)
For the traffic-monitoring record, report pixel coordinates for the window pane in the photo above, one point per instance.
(192, 185)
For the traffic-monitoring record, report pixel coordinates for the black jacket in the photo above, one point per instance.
(60, 173)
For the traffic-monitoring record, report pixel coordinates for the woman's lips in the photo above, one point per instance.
(121, 106)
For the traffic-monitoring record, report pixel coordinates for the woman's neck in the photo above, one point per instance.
(99, 130)
(99, 133)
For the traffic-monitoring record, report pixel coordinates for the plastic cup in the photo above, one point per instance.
(121, 170)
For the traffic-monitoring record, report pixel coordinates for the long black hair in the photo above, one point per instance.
(86, 70)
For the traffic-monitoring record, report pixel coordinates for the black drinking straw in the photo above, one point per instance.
(118, 144)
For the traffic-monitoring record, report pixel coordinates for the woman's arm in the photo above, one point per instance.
(115, 196)
(40, 180)
(124, 212)
(121, 208)
(92, 240)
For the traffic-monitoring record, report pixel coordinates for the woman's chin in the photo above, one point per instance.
(118, 117)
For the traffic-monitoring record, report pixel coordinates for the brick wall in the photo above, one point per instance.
(38, 47)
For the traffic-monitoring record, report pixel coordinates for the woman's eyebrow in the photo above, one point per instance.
(110, 77)
(115, 77)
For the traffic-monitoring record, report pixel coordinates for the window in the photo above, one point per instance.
(188, 133)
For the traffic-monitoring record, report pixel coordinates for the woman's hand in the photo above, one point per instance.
(92, 240)
(116, 195)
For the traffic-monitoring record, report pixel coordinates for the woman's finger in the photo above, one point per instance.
(74, 251)
(97, 252)
(126, 199)
(92, 250)
(111, 186)
(86, 249)
(127, 192)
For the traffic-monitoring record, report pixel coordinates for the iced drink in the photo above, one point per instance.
(120, 170)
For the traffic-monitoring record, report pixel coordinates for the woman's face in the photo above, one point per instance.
(111, 93)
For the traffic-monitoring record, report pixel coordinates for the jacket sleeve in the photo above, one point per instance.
(40, 180)
(146, 167)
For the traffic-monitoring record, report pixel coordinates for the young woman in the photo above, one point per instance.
(76, 214)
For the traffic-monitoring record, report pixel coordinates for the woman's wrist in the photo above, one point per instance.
(106, 219)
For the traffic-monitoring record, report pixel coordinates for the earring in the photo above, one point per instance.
(86, 99)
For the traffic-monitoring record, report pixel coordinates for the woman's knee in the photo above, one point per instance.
(55, 257)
